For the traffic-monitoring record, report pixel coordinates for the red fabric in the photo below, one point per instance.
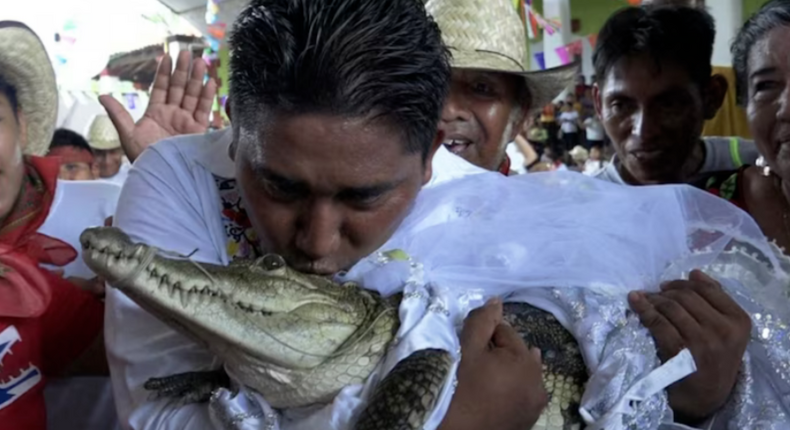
(23, 291)
(46, 322)
(504, 168)
(71, 154)
(46, 346)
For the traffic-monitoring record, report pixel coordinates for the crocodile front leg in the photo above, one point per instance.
(189, 387)
(406, 397)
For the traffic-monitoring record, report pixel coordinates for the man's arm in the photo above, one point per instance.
(158, 206)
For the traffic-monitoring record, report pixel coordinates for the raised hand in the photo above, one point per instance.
(179, 104)
(500, 384)
(697, 314)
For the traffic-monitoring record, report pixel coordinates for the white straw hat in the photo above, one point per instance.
(25, 65)
(103, 135)
(489, 35)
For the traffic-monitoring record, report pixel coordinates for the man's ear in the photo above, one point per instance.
(597, 100)
(713, 96)
(428, 171)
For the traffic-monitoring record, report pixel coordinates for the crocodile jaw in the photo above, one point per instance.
(279, 317)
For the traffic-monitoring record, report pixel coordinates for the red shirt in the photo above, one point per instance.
(33, 348)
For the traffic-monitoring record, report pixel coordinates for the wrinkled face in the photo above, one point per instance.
(481, 115)
(653, 116)
(325, 191)
(108, 161)
(768, 105)
(13, 138)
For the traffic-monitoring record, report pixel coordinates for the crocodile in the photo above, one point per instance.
(298, 338)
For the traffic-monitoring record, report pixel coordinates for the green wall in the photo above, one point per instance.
(222, 71)
(751, 6)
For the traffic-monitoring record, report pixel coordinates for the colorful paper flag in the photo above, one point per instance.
(564, 55)
(131, 100)
(540, 58)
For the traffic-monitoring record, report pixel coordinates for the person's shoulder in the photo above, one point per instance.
(183, 153)
(190, 144)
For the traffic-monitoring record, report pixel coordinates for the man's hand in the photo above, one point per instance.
(179, 104)
(697, 314)
(500, 383)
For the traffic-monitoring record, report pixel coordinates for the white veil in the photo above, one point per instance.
(575, 246)
(565, 242)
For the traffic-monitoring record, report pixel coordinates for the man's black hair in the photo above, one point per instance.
(64, 137)
(773, 14)
(381, 59)
(9, 92)
(681, 35)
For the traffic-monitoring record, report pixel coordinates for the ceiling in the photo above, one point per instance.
(194, 11)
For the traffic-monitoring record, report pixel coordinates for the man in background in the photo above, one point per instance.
(492, 95)
(76, 157)
(110, 162)
(655, 92)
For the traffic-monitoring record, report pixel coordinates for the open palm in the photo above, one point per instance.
(179, 104)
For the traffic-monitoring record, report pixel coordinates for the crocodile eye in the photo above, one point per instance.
(272, 262)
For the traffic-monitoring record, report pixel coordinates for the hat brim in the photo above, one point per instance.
(25, 65)
(105, 146)
(544, 85)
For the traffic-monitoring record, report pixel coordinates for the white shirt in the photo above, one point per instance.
(721, 154)
(594, 129)
(79, 402)
(592, 167)
(568, 121)
(516, 158)
(171, 201)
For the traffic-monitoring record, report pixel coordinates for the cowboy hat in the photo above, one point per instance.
(103, 135)
(488, 35)
(25, 65)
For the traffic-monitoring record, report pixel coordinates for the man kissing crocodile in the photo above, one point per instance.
(335, 107)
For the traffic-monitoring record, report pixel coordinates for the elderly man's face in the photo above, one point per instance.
(13, 138)
(108, 161)
(325, 191)
(481, 115)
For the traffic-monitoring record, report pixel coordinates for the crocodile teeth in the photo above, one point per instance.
(184, 296)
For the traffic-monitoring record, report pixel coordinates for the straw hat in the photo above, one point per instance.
(579, 154)
(489, 35)
(25, 65)
(103, 135)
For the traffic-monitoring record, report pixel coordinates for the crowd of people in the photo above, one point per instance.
(342, 115)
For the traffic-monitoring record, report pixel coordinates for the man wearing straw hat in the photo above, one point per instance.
(107, 151)
(492, 94)
(329, 158)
